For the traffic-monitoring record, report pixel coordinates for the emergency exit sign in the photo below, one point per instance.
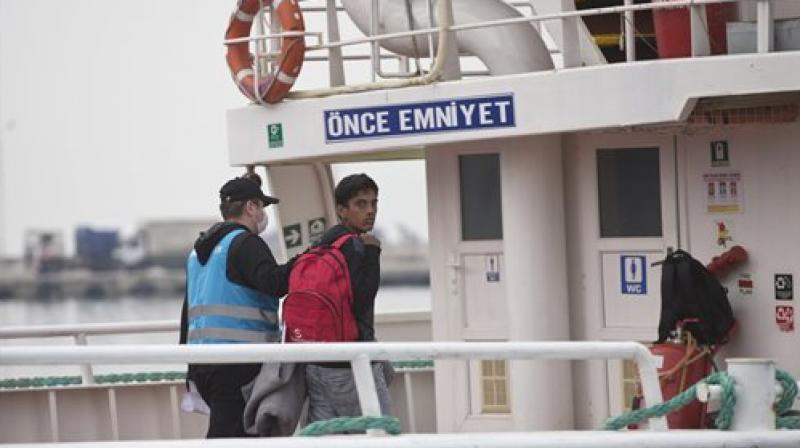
(719, 153)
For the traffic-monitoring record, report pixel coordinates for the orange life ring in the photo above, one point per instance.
(276, 85)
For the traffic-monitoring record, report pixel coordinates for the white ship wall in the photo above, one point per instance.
(766, 158)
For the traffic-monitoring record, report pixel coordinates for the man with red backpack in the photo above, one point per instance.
(331, 387)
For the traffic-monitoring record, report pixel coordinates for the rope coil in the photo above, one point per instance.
(341, 425)
(783, 404)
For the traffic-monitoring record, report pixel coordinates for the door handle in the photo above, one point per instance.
(455, 268)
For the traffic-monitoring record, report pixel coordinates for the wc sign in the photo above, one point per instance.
(634, 274)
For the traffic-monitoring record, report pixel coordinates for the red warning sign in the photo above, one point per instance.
(784, 317)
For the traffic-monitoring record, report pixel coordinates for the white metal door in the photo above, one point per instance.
(615, 290)
(467, 280)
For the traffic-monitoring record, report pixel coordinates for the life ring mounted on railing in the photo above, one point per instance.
(276, 85)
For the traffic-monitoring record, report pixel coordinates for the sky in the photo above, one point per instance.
(112, 113)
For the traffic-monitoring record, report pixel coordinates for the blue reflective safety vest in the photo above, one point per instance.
(222, 312)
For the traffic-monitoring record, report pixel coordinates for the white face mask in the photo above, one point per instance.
(262, 224)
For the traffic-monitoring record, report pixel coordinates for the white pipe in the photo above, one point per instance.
(765, 26)
(365, 384)
(526, 19)
(560, 439)
(336, 65)
(755, 394)
(516, 48)
(242, 353)
(594, 12)
(713, 392)
(411, 415)
(43, 331)
(570, 37)
(698, 27)
(114, 413)
(239, 353)
(52, 406)
(630, 33)
(87, 377)
(444, 15)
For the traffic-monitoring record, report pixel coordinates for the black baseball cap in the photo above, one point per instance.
(240, 189)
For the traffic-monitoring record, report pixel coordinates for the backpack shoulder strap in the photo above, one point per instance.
(669, 305)
(342, 240)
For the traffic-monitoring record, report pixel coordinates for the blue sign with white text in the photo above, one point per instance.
(458, 114)
(634, 274)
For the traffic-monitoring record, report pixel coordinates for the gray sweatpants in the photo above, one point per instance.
(332, 392)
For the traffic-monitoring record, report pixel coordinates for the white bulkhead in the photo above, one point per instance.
(550, 197)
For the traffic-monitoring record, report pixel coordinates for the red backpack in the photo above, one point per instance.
(318, 307)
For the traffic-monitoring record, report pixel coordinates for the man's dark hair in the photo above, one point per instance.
(351, 185)
(233, 209)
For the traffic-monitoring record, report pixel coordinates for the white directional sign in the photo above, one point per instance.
(292, 236)
(316, 227)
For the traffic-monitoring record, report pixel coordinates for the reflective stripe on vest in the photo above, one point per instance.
(221, 311)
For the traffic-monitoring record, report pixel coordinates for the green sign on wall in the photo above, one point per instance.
(275, 135)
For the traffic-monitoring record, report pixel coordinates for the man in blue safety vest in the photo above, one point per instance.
(233, 284)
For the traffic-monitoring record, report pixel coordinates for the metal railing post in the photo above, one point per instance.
(648, 365)
(409, 391)
(570, 44)
(765, 27)
(87, 376)
(375, 46)
(367, 392)
(630, 33)
(335, 60)
(701, 43)
(755, 394)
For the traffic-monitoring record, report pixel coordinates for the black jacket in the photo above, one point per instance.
(363, 262)
(250, 263)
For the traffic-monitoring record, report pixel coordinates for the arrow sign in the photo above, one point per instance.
(292, 236)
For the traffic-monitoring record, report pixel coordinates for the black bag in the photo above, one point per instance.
(695, 299)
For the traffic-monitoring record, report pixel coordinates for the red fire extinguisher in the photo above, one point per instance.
(723, 263)
(685, 363)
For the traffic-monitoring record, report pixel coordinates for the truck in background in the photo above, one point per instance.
(94, 248)
(162, 243)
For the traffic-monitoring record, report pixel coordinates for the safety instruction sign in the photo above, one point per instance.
(634, 274)
(723, 192)
(393, 120)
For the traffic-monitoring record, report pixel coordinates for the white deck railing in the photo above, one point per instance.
(569, 48)
(753, 383)
(79, 332)
(575, 439)
(359, 354)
